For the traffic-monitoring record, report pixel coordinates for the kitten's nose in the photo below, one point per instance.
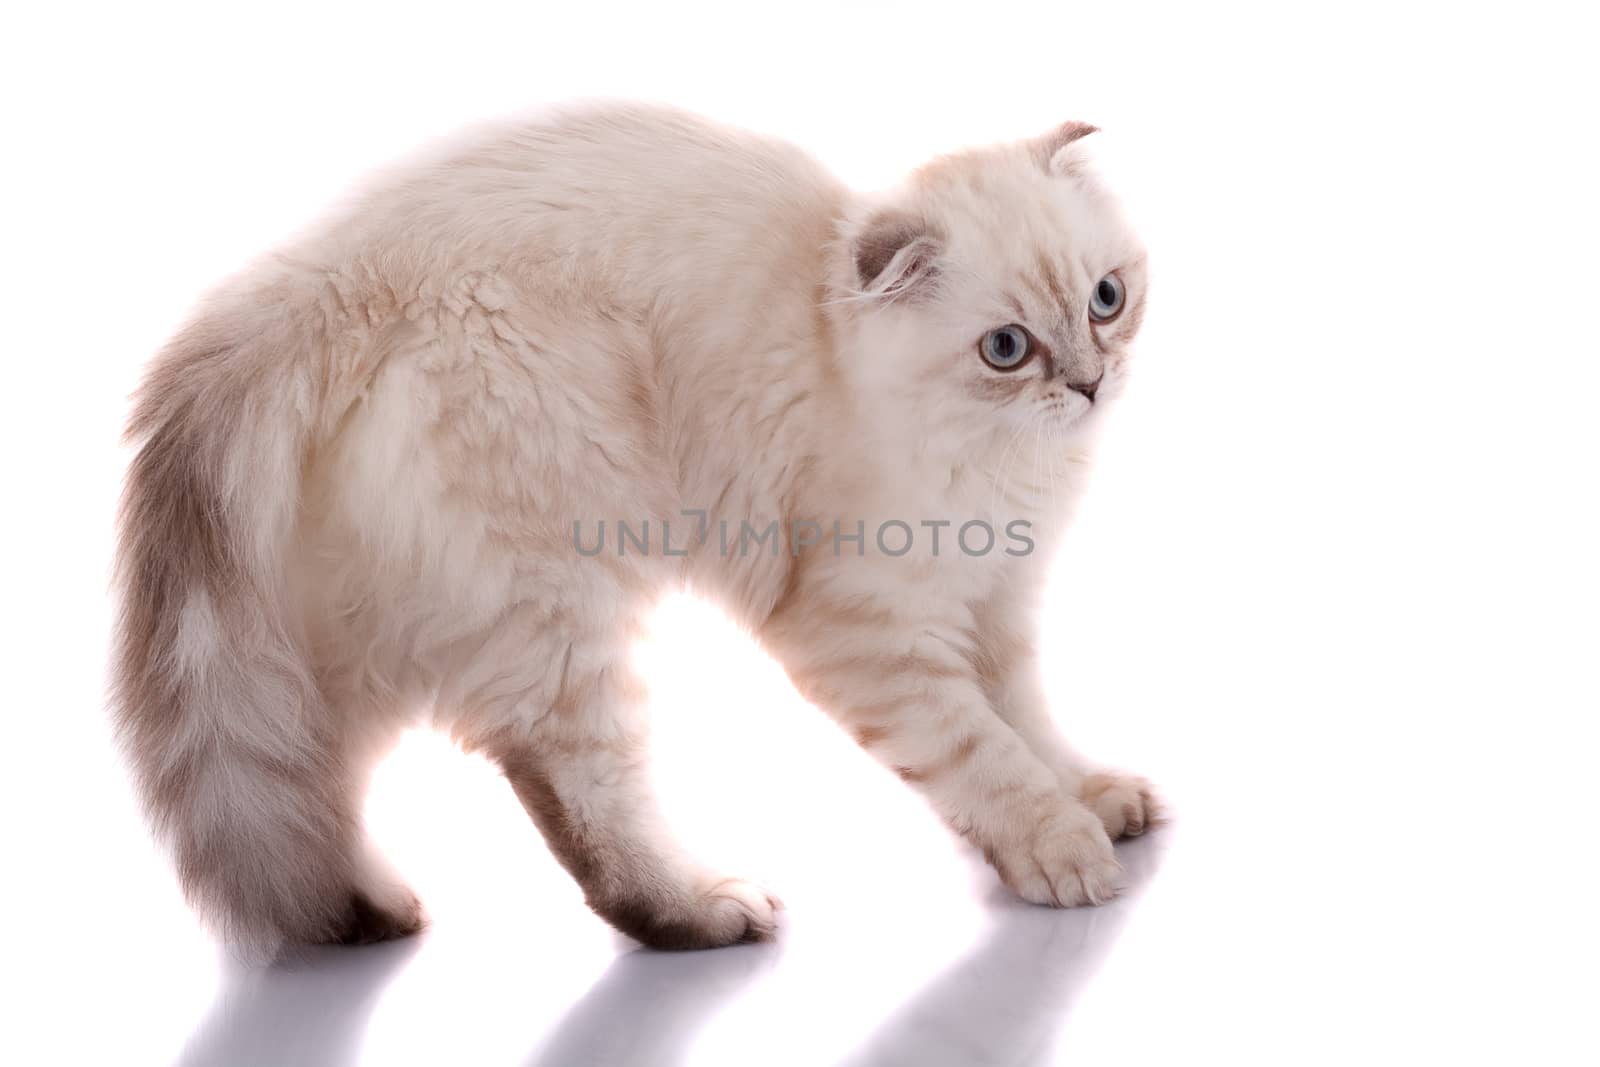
(1092, 388)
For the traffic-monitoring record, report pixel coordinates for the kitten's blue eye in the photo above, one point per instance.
(1006, 348)
(1106, 302)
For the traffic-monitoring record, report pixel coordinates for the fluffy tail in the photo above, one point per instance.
(238, 761)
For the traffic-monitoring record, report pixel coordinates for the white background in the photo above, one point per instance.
(1334, 587)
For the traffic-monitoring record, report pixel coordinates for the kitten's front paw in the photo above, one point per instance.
(1127, 805)
(1065, 861)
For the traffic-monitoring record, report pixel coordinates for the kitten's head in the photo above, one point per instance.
(994, 294)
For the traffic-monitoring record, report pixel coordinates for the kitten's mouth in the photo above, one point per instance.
(1066, 410)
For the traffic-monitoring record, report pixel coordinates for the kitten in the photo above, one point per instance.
(443, 453)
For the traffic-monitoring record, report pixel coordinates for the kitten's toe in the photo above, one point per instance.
(366, 922)
(1126, 805)
(726, 912)
(1065, 861)
(748, 904)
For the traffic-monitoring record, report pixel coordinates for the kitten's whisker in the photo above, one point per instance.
(1039, 458)
(1002, 469)
(1016, 456)
(1056, 440)
(999, 470)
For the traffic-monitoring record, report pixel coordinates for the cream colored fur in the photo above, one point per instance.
(362, 464)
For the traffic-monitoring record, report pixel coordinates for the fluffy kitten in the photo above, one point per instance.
(372, 470)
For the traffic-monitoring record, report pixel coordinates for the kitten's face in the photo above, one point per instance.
(1000, 297)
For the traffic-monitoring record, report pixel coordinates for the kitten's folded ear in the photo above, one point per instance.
(1059, 151)
(895, 253)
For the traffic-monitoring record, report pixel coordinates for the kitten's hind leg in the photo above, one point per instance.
(579, 769)
(264, 821)
(374, 903)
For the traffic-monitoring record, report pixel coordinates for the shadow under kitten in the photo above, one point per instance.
(313, 1009)
(1003, 1003)
(999, 1005)
(648, 1006)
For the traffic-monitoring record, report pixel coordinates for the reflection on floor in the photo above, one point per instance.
(312, 1011)
(1000, 1004)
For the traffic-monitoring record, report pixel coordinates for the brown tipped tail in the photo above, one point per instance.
(216, 705)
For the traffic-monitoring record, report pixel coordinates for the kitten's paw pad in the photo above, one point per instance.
(1127, 805)
(366, 922)
(1066, 862)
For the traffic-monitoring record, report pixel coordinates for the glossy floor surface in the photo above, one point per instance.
(1299, 930)
(1003, 996)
